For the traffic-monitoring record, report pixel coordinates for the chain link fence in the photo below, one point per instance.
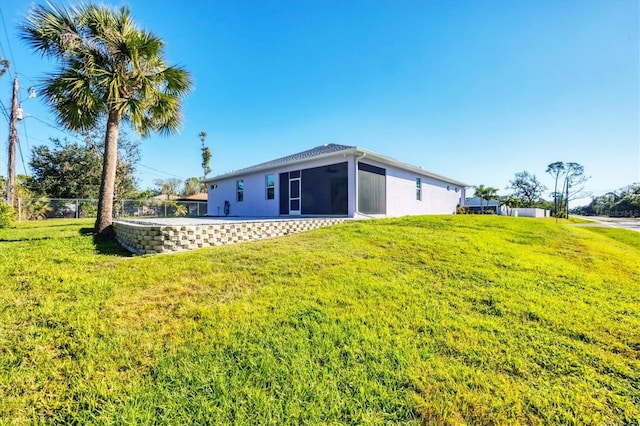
(48, 208)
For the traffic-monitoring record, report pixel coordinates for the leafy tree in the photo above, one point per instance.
(73, 170)
(206, 154)
(556, 170)
(485, 193)
(527, 188)
(572, 177)
(193, 186)
(168, 187)
(146, 194)
(624, 202)
(573, 187)
(67, 170)
(107, 67)
(510, 202)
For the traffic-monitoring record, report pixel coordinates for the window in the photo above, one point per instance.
(271, 187)
(240, 190)
(418, 189)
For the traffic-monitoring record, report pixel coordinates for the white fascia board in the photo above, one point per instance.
(418, 170)
(252, 170)
(344, 153)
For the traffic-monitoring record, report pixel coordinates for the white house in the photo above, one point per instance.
(333, 180)
(498, 207)
(474, 204)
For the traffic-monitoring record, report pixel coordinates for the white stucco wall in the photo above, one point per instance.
(436, 198)
(255, 202)
(400, 196)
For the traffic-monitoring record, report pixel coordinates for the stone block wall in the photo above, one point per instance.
(152, 238)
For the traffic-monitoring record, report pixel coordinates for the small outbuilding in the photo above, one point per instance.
(333, 180)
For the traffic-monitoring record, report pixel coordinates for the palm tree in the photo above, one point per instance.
(107, 67)
(485, 193)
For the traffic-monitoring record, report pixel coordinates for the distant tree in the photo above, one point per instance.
(4, 66)
(67, 170)
(168, 187)
(206, 154)
(510, 202)
(573, 187)
(485, 193)
(527, 188)
(107, 67)
(146, 194)
(624, 202)
(193, 186)
(628, 203)
(73, 170)
(556, 170)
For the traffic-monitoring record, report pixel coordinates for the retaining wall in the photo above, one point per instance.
(153, 238)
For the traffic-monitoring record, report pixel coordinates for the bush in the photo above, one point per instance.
(35, 208)
(463, 210)
(7, 215)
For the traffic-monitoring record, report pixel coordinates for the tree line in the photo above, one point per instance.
(623, 202)
(527, 190)
(72, 169)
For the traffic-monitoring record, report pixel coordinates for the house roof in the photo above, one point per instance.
(328, 151)
(201, 196)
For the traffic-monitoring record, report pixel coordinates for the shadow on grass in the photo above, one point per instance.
(106, 245)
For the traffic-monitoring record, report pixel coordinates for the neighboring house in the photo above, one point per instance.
(474, 204)
(497, 207)
(333, 180)
(200, 197)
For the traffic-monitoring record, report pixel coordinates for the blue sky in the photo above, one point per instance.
(473, 90)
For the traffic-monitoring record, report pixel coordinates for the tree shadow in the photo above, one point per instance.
(108, 245)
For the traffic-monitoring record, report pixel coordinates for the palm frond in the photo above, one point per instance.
(106, 63)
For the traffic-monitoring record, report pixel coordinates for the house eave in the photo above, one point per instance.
(409, 167)
(258, 169)
(355, 151)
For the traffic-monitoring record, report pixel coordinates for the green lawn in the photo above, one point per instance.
(445, 320)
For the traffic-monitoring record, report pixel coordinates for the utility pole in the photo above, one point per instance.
(12, 187)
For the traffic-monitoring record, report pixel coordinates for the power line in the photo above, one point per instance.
(4, 112)
(160, 171)
(4, 26)
(26, 136)
(54, 127)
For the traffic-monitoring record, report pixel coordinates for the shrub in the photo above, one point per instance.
(463, 210)
(7, 215)
(35, 208)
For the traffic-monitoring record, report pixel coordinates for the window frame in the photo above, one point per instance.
(418, 189)
(240, 190)
(271, 187)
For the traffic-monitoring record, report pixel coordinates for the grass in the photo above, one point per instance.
(443, 320)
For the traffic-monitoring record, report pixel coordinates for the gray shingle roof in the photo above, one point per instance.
(325, 150)
(304, 155)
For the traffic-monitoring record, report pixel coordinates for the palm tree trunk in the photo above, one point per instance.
(103, 225)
